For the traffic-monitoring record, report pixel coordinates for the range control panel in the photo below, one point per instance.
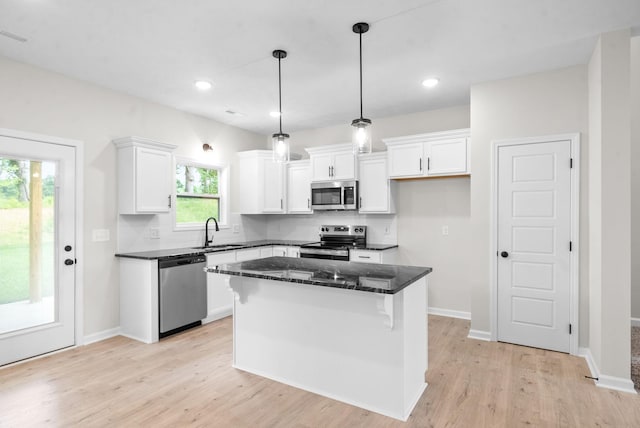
(342, 230)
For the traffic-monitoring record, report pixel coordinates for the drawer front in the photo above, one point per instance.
(365, 256)
(214, 259)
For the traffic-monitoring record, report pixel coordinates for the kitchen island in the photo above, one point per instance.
(354, 332)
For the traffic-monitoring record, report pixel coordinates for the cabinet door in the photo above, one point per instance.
(321, 167)
(299, 189)
(248, 254)
(219, 297)
(406, 160)
(364, 256)
(279, 251)
(293, 251)
(266, 252)
(447, 157)
(273, 182)
(344, 166)
(153, 178)
(374, 186)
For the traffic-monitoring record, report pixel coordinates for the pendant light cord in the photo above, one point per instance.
(280, 93)
(360, 75)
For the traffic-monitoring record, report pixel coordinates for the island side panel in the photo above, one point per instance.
(330, 341)
(415, 343)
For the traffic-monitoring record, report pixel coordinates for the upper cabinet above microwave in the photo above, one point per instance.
(144, 176)
(329, 163)
(427, 155)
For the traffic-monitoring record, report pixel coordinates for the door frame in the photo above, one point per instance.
(79, 241)
(574, 255)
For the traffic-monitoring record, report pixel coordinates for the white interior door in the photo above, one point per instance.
(534, 233)
(37, 248)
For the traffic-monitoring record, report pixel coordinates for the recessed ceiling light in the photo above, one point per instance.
(274, 114)
(430, 82)
(203, 85)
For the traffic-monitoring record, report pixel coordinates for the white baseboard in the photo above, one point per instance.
(591, 363)
(101, 335)
(218, 314)
(604, 381)
(635, 322)
(616, 383)
(449, 313)
(480, 335)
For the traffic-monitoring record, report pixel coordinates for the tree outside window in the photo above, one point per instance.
(199, 193)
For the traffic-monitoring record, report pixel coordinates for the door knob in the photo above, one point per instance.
(504, 254)
(68, 262)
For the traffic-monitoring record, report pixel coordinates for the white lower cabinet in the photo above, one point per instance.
(219, 297)
(248, 254)
(372, 256)
(283, 251)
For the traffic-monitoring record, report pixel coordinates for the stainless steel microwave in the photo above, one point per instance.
(334, 195)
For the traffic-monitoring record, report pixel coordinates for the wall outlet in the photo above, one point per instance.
(445, 230)
(154, 233)
(387, 230)
(100, 235)
(236, 228)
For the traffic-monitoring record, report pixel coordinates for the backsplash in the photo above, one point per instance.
(135, 231)
(381, 228)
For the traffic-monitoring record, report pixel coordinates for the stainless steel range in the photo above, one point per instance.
(335, 242)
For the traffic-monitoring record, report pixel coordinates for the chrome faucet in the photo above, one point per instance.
(208, 241)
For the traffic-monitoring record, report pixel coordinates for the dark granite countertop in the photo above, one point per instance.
(375, 278)
(376, 247)
(177, 252)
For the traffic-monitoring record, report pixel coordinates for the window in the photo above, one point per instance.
(200, 193)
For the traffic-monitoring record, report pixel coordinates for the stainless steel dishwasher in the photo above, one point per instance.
(182, 293)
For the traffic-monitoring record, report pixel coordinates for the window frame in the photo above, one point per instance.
(223, 193)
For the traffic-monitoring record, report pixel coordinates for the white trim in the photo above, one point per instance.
(143, 142)
(431, 136)
(616, 383)
(101, 335)
(218, 314)
(480, 335)
(591, 363)
(635, 322)
(449, 313)
(574, 256)
(604, 381)
(79, 219)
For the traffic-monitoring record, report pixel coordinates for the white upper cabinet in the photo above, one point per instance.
(426, 155)
(299, 187)
(376, 191)
(336, 162)
(144, 175)
(261, 183)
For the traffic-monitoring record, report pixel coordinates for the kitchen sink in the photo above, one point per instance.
(217, 247)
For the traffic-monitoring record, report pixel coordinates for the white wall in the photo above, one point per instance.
(635, 177)
(547, 103)
(610, 207)
(422, 207)
(39, 101)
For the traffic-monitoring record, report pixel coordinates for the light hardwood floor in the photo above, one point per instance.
(187, 380)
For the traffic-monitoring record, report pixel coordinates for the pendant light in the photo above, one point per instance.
(280, 140)
(361, 136)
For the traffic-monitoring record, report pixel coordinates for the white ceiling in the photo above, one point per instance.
(156, 49)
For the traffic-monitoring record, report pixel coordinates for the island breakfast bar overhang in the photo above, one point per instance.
(357, 334)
